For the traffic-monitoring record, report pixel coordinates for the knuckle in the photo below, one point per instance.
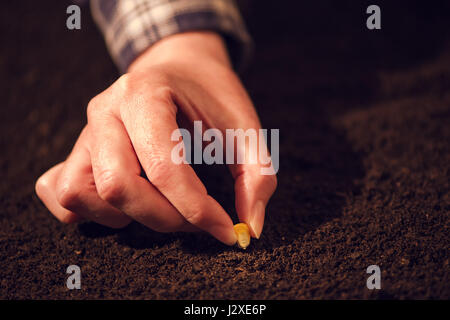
(41, 184)
(124, 83)
(196, 215)
(159, 170)
(92, 107)
(130, 85)
(162, 94)
(68, 195)
(110, 187)
(98, 105)
(271, 182)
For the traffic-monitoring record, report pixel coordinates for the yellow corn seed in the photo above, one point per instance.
(242, 235)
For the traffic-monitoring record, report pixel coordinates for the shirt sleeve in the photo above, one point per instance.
(131, 26)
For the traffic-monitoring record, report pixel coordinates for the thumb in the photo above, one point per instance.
(253, 170)
(252, 192)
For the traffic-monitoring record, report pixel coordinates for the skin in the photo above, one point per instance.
(182, 78)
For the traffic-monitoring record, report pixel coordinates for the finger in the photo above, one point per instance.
(76, 189)
(253, 172)
(45, 190)
(150, 129)
(252, 193)
(251, 165)
(117, 176)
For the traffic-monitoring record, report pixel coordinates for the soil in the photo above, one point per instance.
(364, 160)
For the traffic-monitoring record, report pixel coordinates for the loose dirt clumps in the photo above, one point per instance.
(364, 162)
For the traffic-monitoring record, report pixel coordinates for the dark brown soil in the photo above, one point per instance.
(364, 118)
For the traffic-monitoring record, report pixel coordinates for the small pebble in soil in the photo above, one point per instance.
(242, 235)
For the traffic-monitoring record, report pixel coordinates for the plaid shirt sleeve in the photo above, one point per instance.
(131, 26)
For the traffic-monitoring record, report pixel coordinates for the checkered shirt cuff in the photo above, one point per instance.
(131, 26)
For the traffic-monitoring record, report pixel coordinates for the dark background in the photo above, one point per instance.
(364, 160)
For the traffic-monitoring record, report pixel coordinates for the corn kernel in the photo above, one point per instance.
(242, 235)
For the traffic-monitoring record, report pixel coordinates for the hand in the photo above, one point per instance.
(129, 129)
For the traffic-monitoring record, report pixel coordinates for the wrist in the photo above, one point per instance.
(187, 47)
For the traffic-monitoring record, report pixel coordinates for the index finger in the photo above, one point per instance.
(150, 129)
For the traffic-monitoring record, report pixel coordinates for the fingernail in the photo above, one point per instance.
(225, 234)
(257, 220)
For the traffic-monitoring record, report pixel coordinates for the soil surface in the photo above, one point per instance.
(364, 160)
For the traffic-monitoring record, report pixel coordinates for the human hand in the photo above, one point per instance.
(129, 129)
